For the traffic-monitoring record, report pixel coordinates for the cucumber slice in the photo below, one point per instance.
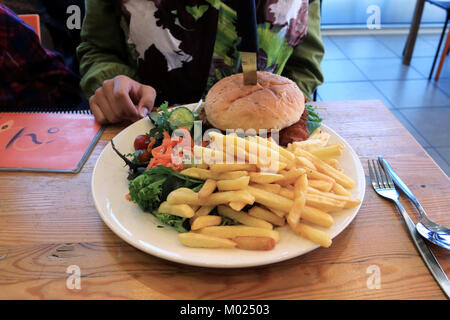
(181, 116)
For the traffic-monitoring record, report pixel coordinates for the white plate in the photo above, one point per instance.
(140, 229)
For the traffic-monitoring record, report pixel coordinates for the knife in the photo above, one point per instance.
(248, 46)
(399, 182)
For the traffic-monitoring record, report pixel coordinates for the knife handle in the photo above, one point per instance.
(427, 255)
(399, 182)
(246, 25)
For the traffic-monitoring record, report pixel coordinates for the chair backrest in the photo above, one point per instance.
(445, 4)
(33, 21)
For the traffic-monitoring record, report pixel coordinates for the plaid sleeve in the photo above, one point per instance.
(31, 74)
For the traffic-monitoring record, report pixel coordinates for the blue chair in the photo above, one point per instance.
(446, 6)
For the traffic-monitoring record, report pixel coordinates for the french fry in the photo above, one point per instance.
(266, 215)
(235, 184)
(196, 240)
(317, 216)
(349, 201)
(270, 200)
(203, 211)
(279, 213)
(270, 187)
(236, 153)
(293, 217)
(208, 188)
(280, 166)
(333, 162)
(272, 167)
(181, 210)
(316, 175)
(273, 159)
(187, 196)
(230, 175)
(241, 155)
(331, 151)
(313, 234)
(324, 203)
(236, 205)
(289, 146)
(286, 193)
(254, 243)
(307, 144)
(290, 176)
(340, 190)
(264, 178)
(250, 147)
(231, 232)
(225, 167)
(302, 162)
(201, 166)
(208, 156)
(244, 218)
(325, 168)
(195, 208)
(301, 185)
(321, 185)
(285, 153)
(206, 221)
(199, 173)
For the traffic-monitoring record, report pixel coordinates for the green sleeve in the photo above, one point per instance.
(303, 66)
(103, 50)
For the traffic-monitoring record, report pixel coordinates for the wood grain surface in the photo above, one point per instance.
(48, 223)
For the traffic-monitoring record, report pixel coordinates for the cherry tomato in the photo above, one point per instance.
(141, 142)
(144, 156)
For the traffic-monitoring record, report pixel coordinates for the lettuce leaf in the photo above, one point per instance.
(152, 187)
(314, 120)
(178, 223)
(146, 191)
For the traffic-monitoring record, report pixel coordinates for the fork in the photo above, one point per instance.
(384, 186)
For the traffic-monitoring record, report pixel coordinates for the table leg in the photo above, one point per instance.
(413, 30)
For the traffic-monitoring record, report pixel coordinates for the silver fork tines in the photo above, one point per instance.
(381, 182)
(385, 187)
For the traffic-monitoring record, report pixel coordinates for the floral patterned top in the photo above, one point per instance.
(182, 47)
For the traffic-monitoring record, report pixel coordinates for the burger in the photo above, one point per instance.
(274, 103)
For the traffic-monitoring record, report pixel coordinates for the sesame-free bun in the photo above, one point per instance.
(275, 102)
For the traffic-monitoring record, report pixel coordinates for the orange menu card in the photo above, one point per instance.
(53, 142)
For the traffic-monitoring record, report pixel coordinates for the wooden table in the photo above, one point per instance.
(48, 223)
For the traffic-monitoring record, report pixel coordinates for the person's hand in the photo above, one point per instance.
(121, 99)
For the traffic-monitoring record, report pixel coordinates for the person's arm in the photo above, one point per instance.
(108, 74)
(303, 66)
(102, 51)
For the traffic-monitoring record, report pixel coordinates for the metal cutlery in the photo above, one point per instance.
(248, 46)
(198, 107)
(430, 230)
(384, 186)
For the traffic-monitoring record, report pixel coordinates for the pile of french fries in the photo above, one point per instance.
(301, 186)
